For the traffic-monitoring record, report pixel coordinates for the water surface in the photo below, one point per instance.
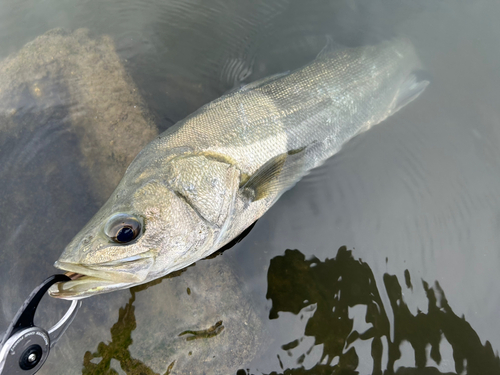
(385, 259)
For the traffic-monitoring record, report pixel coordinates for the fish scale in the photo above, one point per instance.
(202, 182)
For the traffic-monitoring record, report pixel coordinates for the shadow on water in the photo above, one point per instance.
(336, 285)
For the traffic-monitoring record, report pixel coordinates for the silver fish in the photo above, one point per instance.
(203, 181)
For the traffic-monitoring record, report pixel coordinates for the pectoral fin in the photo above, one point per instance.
(276, 176)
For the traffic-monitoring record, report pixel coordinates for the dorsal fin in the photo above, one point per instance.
(258, 83)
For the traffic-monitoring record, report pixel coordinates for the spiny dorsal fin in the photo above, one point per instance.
(276, 175)
(260, 82)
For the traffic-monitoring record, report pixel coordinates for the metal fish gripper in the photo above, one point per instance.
(25, 347)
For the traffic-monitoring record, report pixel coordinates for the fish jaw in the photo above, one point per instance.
(84, 287)
(89, 280)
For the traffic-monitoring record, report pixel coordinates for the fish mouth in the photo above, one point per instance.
(89, 280)
(84, 286)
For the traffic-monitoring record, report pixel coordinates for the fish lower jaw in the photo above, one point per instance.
(87, 281)
(82, 286)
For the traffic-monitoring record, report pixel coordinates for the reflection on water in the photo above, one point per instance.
(328, 292)
(121, 338)
(334, 287)
(117, 349)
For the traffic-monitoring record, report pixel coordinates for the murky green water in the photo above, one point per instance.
(385, 260)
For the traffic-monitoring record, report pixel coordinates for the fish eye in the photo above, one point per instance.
(122, 228)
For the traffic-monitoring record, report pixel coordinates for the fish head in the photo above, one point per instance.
(144, 231)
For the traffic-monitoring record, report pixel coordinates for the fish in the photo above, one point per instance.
(202, 182)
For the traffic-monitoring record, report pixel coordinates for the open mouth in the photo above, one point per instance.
(74, 276)
(89, 280)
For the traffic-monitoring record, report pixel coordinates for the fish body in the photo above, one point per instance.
(199, 184)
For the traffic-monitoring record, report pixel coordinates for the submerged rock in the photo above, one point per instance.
(199, 321)
(82, 83)
(70, 122)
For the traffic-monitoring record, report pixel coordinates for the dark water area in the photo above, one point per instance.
(382, 261)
